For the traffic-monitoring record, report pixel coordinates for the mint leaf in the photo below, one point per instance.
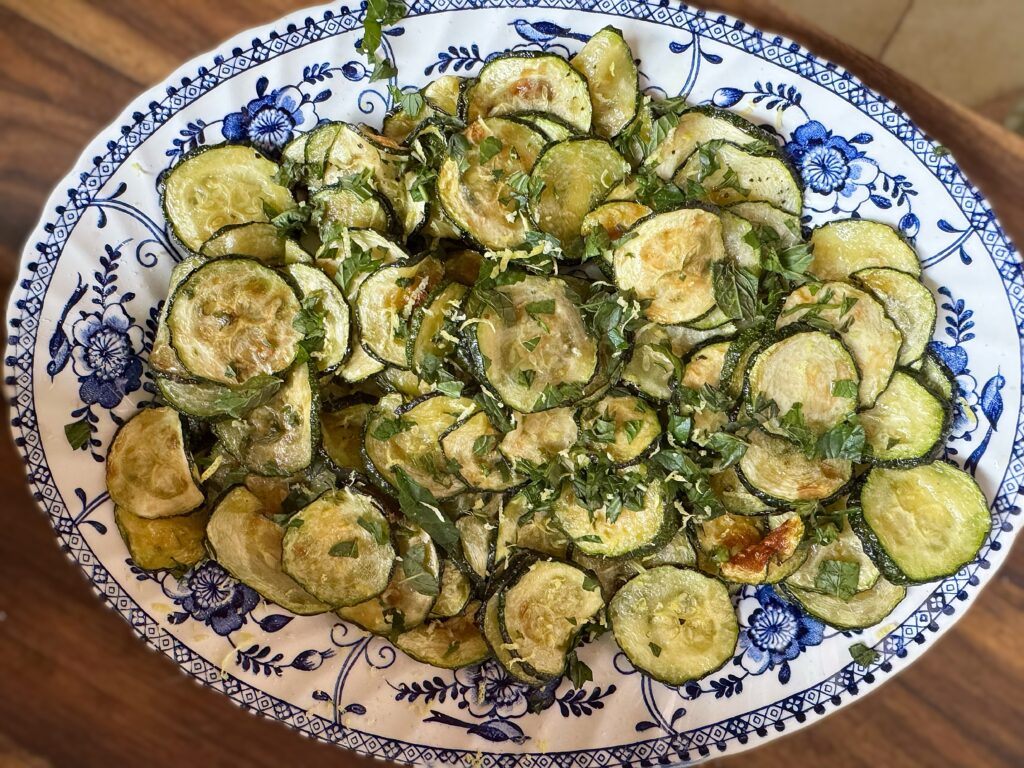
(729, 447)
(655, 649)
(410, 102)
(377, 527)
(489, 148)
(531, 344)
(863, 655)
(419, 505)
(844, 388)
(417, 576)
(837, 578)
(78, 433)
(387, 428)
(843, 441)
(578, 672)
(345, 549)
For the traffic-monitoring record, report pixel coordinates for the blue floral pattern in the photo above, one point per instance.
(776, 633)
(208, 594)
(95, 345)
(269, 121)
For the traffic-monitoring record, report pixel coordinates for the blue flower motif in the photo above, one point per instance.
(104, 356)
(269, 121)
(964, 419)
(776, 633)
(832, 167)
(491, 691)
(208, 594)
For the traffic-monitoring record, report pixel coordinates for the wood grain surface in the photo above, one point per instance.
(77, 688)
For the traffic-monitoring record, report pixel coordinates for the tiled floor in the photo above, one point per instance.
(967, 50)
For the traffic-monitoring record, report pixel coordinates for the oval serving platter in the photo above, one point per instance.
(82, 317)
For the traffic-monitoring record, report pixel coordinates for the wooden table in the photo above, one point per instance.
(78, 688)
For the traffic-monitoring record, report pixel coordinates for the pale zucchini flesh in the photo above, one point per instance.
(148, 472)
(539, 437)
(667, 261)
(695, 127)
(323, 295)
(606, 61)
(534, 615)
(845, 548)
(906, 424)
(163, 543)
(634, 427)
(530, 82)
(472, 447)
(633, 532)
(864, 609)
(675, 624)
(276, 437)
(449, 643)
(841, 248)
(576, 175)
(543, 334)
(248, 544)
(758, 177)
(233, 319)
(862, 324)
(316, 529)
(779, 473)
(215, 186)
(922, 524)
(909, 304)
(342, 434)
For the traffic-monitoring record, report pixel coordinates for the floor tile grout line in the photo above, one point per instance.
(895, 30)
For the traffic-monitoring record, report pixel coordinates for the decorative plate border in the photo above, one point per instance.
(197, 77)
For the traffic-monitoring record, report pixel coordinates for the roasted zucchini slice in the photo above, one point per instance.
(937, 377)
(336, 206)
(521, 526)
(475, 186)
(405, 383)
(258, 240)
(206, 400)
(317, 146)
(387, 300)
(412, 591)
(248, 544)
(622, 427)
(785, 225)
(531, 344)
(356, 151)
(471, 447)
(553, 128)
(542, 612)
(907, 425)
(704, 369)
(162, 357)
(700, 125)
(324, 304)
(750, 550)
(628, 533)
(277, 437)
(651, 369)
(454, 591)
(539, 437)
(776, 471)
(921, 524)
(339, 548)
(808, 369)
(233, 319)
(841, 248)
(615, 218)
(341, 428)
(490, 626)
(667, 260)
(364, 250)
(606, 61)
(148, 472)
(433, 328)
(214, 186)
(908, 304)
(529, 82)
(864, 328)
(164, 543)
(407, 437)
(864, 609)
(573, 176)
(734, 496)
(448, 643)
(730, 174)
(675, 624)
(477, 538)
(845, 548)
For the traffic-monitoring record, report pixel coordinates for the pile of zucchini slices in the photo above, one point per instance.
(541, 359)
